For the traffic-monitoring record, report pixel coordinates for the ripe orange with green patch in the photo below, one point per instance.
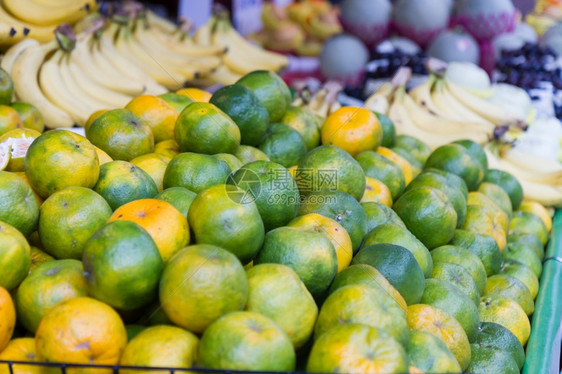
(81, 330)
(217, 285)
(309, 253)
(157, 114)
(354, 347)
(334, 232)
(9, 119)
(366, 305)
(422, 317)
(121, 134)
(8, 318)
(165, 224)
(376, 192)
(59, 159)
(353, 129)
(47, 286)
(160, 346)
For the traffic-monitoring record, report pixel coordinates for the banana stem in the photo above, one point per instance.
(436, 66)
(437, 84)
(186, 25)
(402, 77)
(220, 11)
(399, 93)
(65, 37)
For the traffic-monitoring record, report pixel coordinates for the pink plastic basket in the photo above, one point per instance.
(421, 37)
(370, 35)
(484, 28)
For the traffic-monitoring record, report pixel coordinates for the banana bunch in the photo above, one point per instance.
(439, 112)
(159, 58)
(540, 178)
(107, 67)
(68, 85)
(37, 19)
(241, 56)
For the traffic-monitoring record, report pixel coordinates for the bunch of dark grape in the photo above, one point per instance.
(384, 64)
(529, 66)
(390, 62)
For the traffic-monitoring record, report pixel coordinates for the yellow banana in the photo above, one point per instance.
(73, 85)
(203, 34)
(236, 58)
(27, 30)
(202, 64)
(226, 36)
(55, 3)
(237, 62)
(10, 35)
(448, 102)
(543, 193)
(379, 101)
(24, 74)
(98, 95)
(14, 51)
(187, 67)
(422, 94)
(52, 85)
(405, 123)
(136, 55)
(519, 164)
(489, 111)
(43, 15)
(161, 23)
(106, 57)
(548, 194)
(86, 59)
(478, 132)
(184, 45)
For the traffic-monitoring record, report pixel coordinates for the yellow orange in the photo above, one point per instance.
(154, 164)
(167, 148)
(377, 192)
(485, 221)
(164, 346)
(195, 94)
(437, 322)
(102, 156)
(156, 113)
(9, 119)
(7, 318)
(334, 231)
(353, 129)
(21, 349)
(404, 165)
(507, 313)
(93, 117)
(165, 224)
(82, 331)
(539, 210)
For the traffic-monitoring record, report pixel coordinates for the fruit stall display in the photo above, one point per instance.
(254, 229)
